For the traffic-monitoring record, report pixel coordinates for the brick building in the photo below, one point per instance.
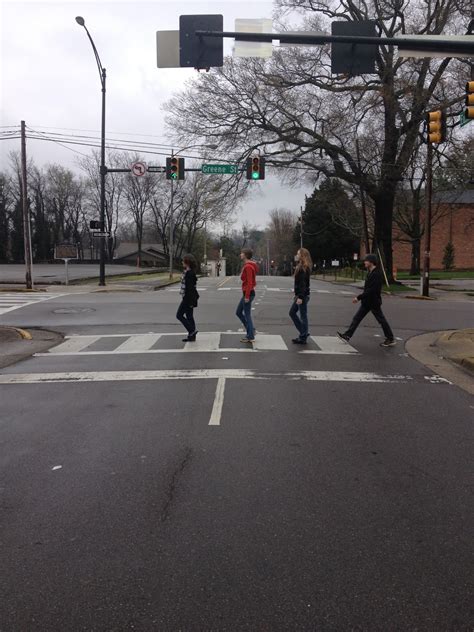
(454, 222)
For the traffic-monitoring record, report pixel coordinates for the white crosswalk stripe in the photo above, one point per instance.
(206, 342)
(11, 301)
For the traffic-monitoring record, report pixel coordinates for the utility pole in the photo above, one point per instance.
(301, 227)
(268, 257)
(171, 224)
(26, 212)
(429, 189)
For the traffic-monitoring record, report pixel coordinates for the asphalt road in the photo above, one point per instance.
(146, 486)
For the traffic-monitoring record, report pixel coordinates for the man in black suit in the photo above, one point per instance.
(371, 301)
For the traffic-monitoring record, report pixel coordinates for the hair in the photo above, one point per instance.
(190, 261)
(248, 252)
(305, 262)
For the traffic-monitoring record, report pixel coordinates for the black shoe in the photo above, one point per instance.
(191, 337)
(344, 337)
(388, 343)
(299, 341)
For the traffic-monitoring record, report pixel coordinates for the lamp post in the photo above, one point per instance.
(171, 235)
(102, 169)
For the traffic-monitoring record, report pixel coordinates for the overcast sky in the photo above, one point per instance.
(49, 77)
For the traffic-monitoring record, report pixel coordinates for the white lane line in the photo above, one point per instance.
(138, 343)
(216, 413)
(331, 345)
(199, 374)
(75, 345)
(269, 342)
(204, 342)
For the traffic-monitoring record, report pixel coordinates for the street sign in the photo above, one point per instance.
(226, 169)
(100, 234)
(167, 49)
(463, 120)
(353, 59)
(154, 169)
(65, 251)
(138, 168)
(200, 52)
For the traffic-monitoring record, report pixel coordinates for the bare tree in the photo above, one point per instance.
(302, 117)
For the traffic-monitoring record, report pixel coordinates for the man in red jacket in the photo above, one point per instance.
(249, 281)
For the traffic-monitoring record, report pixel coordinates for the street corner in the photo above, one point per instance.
(447, 353)
(18, 344)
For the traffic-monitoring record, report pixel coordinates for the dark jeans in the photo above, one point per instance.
(244, 313)
(185, 316)
(301, 321)
(378, 314)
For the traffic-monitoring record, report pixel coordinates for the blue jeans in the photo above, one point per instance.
(301, 321)
(244, 314)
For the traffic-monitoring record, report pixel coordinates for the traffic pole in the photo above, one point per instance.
(429, 189)
(26, 212)
(171, 224)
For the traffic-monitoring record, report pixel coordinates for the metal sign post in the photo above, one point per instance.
(66, 252)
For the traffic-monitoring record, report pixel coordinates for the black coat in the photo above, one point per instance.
(190, 295)
(302, 280)
(372, 294)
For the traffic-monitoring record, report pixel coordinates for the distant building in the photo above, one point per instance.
(455, 224)
(151, 255)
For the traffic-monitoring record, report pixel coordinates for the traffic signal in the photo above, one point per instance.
(174, 168)
(96, 225)
(469, 111)
(256, 168)
(436, 122)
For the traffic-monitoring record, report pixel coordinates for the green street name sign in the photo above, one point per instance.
(463, 120)
(233, 169)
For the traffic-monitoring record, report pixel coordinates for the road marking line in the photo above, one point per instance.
(269, 342)
(199, 374)
(138, 343)
(331, 345)
(224, 281)
(204, 342)
(216, 413)
(75, 345)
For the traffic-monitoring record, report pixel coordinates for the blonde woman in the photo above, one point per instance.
(304, 265)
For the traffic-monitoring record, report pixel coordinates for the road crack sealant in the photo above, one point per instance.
(173, 484)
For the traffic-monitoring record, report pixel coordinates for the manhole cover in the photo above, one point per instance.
(73, 310)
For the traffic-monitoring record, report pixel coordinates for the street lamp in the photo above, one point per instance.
(102, 169)
(171, 245)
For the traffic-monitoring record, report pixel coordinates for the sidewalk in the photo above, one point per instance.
(19, 344)
(112, 285)
(447, 353)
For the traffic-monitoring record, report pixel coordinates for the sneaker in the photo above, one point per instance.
(344, 337)
(388, 343)
(245, 340)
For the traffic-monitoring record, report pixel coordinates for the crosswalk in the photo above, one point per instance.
(11, 301)
(269, 289)
(206, 342)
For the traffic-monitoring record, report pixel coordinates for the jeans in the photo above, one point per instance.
(244, 314)
(379, 316)
(301, 321)
(185, 316)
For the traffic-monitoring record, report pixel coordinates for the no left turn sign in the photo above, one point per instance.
(139, 168)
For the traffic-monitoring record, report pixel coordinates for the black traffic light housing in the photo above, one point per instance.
(436, 123)
(469, 111)
(255, 168)
(174, 168)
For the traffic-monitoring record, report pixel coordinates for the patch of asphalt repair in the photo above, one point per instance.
(171, 493)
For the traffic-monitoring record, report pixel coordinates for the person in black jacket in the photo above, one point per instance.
(371, 301)
(301, 298)
(189, 298)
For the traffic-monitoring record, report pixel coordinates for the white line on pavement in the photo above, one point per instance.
(199, 374)
(216, 413)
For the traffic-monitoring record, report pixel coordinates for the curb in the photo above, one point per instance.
(420, 298)
(18, 289)
(158, 287)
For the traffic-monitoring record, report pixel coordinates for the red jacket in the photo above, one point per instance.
(249, 278)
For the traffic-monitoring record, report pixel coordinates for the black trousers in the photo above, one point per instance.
(185, 316)
(379, 316)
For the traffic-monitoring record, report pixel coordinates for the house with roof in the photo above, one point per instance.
(151, 255)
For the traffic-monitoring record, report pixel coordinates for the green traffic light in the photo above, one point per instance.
(174, 176)
(255, 175)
